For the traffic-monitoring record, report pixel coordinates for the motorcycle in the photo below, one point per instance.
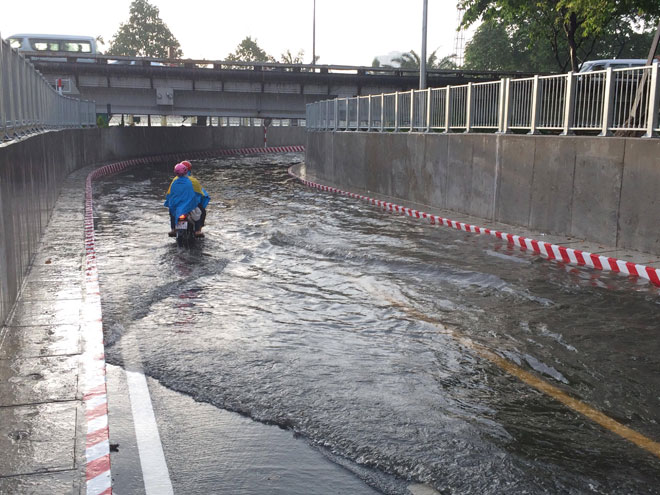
(185, 228)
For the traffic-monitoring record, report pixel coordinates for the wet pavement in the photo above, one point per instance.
(313, 344)
(41, 421)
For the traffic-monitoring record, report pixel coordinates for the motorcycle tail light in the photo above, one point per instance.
(182, 217)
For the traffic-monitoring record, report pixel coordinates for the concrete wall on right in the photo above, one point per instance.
(604, 190)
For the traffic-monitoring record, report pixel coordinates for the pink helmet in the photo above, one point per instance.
(180, 169)
(187, 164)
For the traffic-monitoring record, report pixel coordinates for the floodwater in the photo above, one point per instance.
(352, 327)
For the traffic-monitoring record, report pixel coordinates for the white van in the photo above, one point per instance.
(55, 44)
(615, 63)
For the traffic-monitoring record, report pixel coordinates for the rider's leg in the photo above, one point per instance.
(202, 219)
(172, 232)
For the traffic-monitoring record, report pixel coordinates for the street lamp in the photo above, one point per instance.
(314, 35)
(422, 62)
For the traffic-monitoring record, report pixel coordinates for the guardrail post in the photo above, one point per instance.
(396, 111)
(27, 81)
(447, 109)
(369, 113)
(382, 112)
(535, 107)
(469, 104)
(3, 107)
(348, 117)
(428, 110)
(608, 103)
(412, 110)
(502, 124)
(357, 113)
(569, 104)
(13, 106)
(654, 103)
(34, 82)
(336, 115)
(20, 91)
(322, 120)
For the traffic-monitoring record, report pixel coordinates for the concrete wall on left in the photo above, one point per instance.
(32, 172)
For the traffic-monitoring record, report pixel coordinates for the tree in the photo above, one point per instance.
(144, 35)
(289, 58)
(496, 46)
(249, 51)
(570, 26)
(411, 60)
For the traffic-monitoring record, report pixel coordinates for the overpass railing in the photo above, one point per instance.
(600, 102)
(28, 104)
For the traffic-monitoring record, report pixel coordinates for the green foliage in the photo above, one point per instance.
(495, 46)
(411, 60)
(249, 51)
(144, 35)
(573, 28)
(289, 58)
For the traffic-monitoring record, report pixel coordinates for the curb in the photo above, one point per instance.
(95, 399)
(546, 250)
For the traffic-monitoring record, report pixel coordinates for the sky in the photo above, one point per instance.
(348, 32)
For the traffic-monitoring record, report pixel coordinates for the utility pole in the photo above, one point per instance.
(422, 62)
(314, 35)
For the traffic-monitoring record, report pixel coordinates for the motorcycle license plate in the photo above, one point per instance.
(182, 225)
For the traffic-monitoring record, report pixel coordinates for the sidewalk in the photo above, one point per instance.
(42, 421)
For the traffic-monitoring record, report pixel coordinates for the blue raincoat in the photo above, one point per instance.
(181, 198)
(203, 196)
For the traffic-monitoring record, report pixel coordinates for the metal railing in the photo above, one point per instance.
(600, 102)
(28, 104)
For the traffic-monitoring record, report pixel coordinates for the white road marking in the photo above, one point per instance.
(152, 459)
(155, 473)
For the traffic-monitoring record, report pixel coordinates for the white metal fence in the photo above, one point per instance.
(28, 104)
(603, 101)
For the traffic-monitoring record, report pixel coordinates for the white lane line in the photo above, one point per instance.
(152, 459)
(155, 474)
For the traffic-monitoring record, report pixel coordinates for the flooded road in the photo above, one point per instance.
(360, 331)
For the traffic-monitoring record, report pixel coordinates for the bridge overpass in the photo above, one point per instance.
(144, 86)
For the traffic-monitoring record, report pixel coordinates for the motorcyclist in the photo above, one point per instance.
(181, 197)
(204, 197)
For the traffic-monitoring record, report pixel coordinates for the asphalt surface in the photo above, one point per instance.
(42, 425)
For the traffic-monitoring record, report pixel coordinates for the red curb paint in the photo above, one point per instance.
(98, 466)
(539, 247)
(95, 389)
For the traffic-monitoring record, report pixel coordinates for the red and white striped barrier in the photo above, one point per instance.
(545, 249)
(95, 399)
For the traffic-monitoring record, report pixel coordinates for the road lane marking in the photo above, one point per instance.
(152, 458)
(155, 473)
(541, 385)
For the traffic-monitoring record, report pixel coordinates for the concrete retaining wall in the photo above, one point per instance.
(605, 190)
(32, 172)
